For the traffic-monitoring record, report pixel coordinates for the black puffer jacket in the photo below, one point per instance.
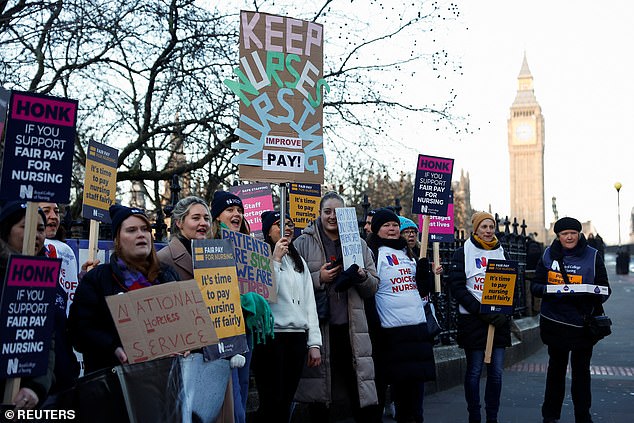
(92, 330)
(472, 331)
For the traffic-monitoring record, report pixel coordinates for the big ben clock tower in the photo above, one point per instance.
(526, 153)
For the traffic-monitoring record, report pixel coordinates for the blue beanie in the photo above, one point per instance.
(119, 213)
(223, 200)
(407, 224)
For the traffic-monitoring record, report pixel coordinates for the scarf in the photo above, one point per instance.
(487, 245)
(133, 279)
(258, 318)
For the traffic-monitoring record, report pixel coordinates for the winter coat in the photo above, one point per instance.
(315, 385)
(92, 329)
(472, 331)
(562, 315)
(177, 257)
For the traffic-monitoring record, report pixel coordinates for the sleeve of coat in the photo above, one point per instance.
(539, 282)
(314, 333)
(303, 246)
(458, 284)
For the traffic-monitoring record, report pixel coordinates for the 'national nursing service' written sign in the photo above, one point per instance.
(215, 272)
(38, 151)
(432, 186)
(499, 286)
(280, 90)
(161, 320)
(100, 183)
(27, 315)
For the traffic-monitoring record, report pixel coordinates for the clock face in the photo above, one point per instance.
(524, 133)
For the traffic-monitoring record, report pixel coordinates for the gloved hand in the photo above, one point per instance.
(237, 361)
(495, 319)
(347, 278)
(423, 277)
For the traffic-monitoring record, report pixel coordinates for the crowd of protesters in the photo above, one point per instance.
(336, 338)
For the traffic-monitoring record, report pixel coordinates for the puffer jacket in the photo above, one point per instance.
(315, 385)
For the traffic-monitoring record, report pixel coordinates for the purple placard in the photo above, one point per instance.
(256, 198)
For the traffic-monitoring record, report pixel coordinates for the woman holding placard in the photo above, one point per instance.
(133, 265)
(466, 279)
(563, 317)
(404, 347)
(278, 363)
(346, 375)
(32, 390)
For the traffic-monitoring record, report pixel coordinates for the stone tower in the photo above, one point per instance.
(526, 154)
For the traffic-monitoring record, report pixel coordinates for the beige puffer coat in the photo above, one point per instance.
(315, 385)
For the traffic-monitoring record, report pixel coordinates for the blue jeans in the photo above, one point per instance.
(204, 386)
(475, 364)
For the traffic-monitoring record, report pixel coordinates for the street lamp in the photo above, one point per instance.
(617, 186)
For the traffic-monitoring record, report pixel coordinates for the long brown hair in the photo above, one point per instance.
(150, 268)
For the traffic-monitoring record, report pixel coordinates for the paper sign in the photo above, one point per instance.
(100, 183)
(38, 148)
(215, 272)
(280, 84)
(256, 198)
(303, 204)
(499, 286)
(27, 315)
(432, 186)
(349, 237)
(161, 320)
(253, 264)
(579, 288)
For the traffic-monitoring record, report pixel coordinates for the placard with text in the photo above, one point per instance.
(303, 202)
(100, 183)
(499, 286)
(256, 198)
(351, 249)
(432, 185)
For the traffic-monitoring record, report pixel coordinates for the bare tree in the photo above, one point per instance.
(144, 70)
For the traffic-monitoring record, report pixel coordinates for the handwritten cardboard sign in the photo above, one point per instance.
(499, 286)
(27, 315)
(215, 272)
(38, 148)
(100, 183)
(253, 264)
(432, 185)
(351, 249)
(161, 320)
(280, 84)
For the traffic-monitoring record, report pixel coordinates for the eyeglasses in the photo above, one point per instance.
(408, 232)
(288, 224)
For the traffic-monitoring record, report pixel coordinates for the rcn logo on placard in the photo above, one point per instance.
(392, 260)
(481, 262)
(12, 366)
(26, 191)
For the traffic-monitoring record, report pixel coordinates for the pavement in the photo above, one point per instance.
(612, 368)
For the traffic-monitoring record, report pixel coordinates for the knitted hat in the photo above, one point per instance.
(567, 224)
(11, 208)
(478, 217)
(223, 200)
(381, 217)
(119, 213)
(407, 224)
(269, 218)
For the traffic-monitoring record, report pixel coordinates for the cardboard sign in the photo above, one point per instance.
(38, 149)
(432, 186)
(280, 90)
(578, 288)
(161, 320)
(303, 204)
(215, 272)
(100, 183)
(256, 198)
(499, 286)
(253, 264)
(441, 228)
(349, 237)
(27, 315)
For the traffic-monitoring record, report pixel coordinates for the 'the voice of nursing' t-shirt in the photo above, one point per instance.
(398, 302)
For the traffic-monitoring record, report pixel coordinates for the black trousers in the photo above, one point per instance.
(556, 382)
(277, 367)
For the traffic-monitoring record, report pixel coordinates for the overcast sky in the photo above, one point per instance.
(580, 56)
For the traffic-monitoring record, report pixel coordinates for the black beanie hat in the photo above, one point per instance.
(381, 217)
(223, 200)
(268, 219)
(567, 224)
(119, 213)
(11, 212)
